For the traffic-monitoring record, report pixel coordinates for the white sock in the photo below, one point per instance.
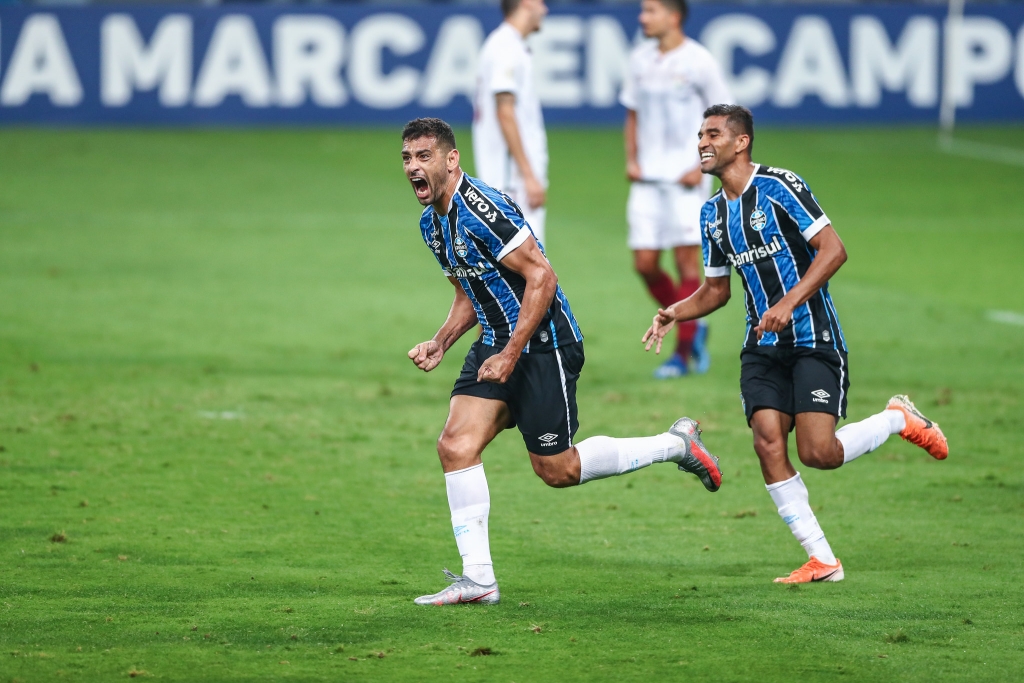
(867, 435)
(603, 456)
(470, 503)
(790, 498)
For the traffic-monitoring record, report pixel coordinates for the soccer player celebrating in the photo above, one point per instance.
(522, 371)
(766, 223)
(670, 82)
(509, 142)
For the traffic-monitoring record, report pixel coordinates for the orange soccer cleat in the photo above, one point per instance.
(920, 431)
(814, 570)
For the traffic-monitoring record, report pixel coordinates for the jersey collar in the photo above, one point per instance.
(451, 201)
(750, 180)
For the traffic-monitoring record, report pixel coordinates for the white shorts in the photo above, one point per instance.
(535, 217)
(664, 215)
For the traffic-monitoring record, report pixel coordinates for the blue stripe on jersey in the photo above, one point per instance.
(803, 325)
(787, 199)
(754, 284)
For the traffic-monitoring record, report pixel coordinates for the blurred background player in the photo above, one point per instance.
(509, 142)
(794, 373)
(671, 80)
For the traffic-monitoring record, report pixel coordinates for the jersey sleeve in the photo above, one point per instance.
(505, 72)
(628, 97)
(493, 220)
(792, 193)
(715, 263)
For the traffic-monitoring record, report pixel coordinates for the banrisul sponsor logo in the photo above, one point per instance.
(755, 254)
(464, 272)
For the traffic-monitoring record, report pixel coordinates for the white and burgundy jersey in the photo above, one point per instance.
(505, 65)
(669, 92)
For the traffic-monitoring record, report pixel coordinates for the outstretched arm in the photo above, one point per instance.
(709, 297)
(541, 283)
(461, 318)
(831, 255)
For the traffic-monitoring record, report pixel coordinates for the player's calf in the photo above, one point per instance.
(604, 456)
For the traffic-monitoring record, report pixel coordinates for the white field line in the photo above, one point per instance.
(983, 151)
(1006, 317)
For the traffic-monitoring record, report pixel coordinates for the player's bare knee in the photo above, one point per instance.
(453, 450)
(820, 458)
(647, 268)
(557, 479)
(554, 472)
(769, 448)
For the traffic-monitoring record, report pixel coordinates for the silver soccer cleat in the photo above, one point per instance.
(698, 460)
(463, 590)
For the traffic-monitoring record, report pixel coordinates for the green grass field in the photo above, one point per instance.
(217, 463)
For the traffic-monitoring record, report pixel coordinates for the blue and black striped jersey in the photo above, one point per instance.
(764, 234)
(481, 228)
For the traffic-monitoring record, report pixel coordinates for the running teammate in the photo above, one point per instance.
(671, 80)
(509, 142)
(522, 371)
(766, 223)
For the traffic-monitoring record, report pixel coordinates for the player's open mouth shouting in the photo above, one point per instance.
(421, 187)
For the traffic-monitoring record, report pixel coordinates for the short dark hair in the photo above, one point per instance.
(509, 6)
(736, 116)
(430, 128)
(675, 6)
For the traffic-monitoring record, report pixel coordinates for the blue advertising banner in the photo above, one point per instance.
(256, 65)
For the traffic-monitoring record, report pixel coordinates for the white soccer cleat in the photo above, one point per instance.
(697, 459)
(462, 591)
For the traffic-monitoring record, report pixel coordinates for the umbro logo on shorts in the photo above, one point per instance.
(548, 439)
(820, 396)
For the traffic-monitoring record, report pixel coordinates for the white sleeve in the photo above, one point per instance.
(715, 89)
(504, 73)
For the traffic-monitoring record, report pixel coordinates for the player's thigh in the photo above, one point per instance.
(478, 411)
(472, 423)
(644, 212)
(816, 441)
(766, 381)
(543, 398)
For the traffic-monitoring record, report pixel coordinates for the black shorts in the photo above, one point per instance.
(794, 380)
(540, 394)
